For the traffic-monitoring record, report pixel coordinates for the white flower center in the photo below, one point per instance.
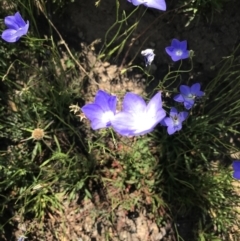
(107, 116)
(191, 96)
(179, 52)
(143, 121)
(175, 119)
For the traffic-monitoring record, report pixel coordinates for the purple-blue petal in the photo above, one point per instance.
(171, 130)
(133, 103)
(136, 118)
(102, 111)
(188, 105)
(175, 57)
(154, 109)
(11, 23)
(99, 124)
(176, 44)
(173, 111)
(98, 117)
(236, 169)
(19, 20)
(177, 50)
(236, 175)
(154, 104)
(185, 90)
(106, 101)
(10, 35)
(168, 121)
(157, 4)
(162, 122)
(169, 50)
(178, 127)
(17, 27)
(24, 30)
(190, 101)
(200, 93)
(195, 89)
(136, 2)
(183, 45)
(92, 111)
(236, 165)
(123, 123)
(179, 98)
(183, 116)
(160, 114)
(185, 54)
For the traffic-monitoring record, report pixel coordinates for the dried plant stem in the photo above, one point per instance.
(66, 46)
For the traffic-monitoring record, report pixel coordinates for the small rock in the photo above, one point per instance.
(88, 224)
(106, 64)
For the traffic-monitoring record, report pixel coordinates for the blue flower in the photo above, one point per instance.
(21, 238)
(137, 117)
(102, 111)
(157, 4)
(148, 56)
(188, 95)
(17, 27)
(177, 50)
(236, 169)
(174, 122)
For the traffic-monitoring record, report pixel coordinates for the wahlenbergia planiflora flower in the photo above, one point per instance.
(137, 117)
(17, 27)
(148, 56)
(189, 94)
(157, 4)
(174, 122)
(102, 111)
(236, 169)
(177, 50)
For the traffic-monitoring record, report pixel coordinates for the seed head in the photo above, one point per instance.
(38, 134)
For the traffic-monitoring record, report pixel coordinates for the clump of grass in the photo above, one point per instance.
(206, 8)
(40, 153)
(194, 163)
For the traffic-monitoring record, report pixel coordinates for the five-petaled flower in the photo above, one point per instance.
(137, 117)
(188, 95)
(236, 169)
(174, 122)
(102, 111)
(177, 50)
(148, 56)
(17, 27)
(157, 4)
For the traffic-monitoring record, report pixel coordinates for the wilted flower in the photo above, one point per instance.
(157, 4)
(102, 111)
(174, 122)
(177, 50)
(137, 117)
(188, 95)
(148, 56)
(236, 169)
(17, 27)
